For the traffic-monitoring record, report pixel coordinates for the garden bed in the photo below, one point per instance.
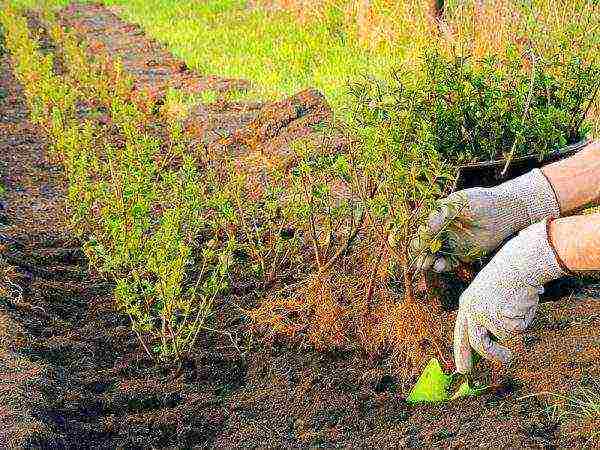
(74, 375)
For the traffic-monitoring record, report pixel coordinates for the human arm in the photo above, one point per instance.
(576, 180)
(478, 220)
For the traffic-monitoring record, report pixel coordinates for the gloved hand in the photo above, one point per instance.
(476, 221)
(503, 298)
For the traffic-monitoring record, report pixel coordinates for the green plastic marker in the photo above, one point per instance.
(433, 386)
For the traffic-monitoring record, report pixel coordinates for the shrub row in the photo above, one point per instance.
(172, 224)
(134, 195)
(326, 239)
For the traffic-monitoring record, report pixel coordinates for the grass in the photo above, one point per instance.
(30, 4)
(179, 104)
(578, 410)
(278, 54)
(284, 46)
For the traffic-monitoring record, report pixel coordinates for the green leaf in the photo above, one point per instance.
(435, 246)
(432, 385)
(320, 190)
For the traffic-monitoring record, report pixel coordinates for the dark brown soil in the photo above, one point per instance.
(72, 374)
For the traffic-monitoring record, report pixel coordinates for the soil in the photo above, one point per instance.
(72, 374)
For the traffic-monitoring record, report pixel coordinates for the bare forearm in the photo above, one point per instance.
(576, 180)
(577, 242)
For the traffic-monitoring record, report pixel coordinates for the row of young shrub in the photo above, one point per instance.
(325, 237)
(171, 224)
(134, 195)
(329, 233)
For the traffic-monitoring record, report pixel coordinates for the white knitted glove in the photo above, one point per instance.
(503, 298)
(476, 221)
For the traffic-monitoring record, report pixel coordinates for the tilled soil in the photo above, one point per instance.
(72, 374)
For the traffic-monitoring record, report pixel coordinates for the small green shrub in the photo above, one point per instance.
(149, 207)
(251, 206)
(514, 104)
(397, 154)
(357, 213)
(323, 202)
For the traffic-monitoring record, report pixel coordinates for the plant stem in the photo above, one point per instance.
(511, 155)
(371, 288)
(351, 236)
(313, 228)
(409, 288)
(139, 336)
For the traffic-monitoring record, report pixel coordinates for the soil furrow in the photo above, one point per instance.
(267, 129)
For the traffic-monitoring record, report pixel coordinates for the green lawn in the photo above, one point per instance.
(271, 49)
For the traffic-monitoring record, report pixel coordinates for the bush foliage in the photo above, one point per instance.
(134, 195)
(326, 239)
(518, 104)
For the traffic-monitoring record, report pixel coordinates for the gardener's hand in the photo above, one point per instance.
(476, 221)
(503, 298)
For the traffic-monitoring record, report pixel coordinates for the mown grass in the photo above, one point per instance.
(270, 48)
(283, 46)
(31, 4)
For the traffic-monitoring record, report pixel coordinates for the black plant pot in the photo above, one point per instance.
(489, 173)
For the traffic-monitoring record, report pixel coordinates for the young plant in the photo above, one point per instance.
(324, 204)
(323, 218)
(248, 201)
(135, 193)
(515, 104)
(396, 155)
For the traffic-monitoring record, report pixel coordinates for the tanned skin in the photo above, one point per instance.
(576, 182)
